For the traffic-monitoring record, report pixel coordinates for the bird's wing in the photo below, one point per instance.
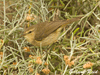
(46, 28)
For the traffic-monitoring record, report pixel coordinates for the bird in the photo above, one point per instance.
(46, 33)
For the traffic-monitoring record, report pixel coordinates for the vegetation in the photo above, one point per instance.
(77, 50)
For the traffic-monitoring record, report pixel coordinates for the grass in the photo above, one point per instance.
(78, 47)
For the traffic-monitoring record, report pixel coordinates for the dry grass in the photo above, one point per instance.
(78, 51)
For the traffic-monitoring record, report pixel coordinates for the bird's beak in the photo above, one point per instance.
(23, 34)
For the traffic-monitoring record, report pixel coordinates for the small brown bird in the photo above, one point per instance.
(46, 33)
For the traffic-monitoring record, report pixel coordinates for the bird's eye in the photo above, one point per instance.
(30, 32)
